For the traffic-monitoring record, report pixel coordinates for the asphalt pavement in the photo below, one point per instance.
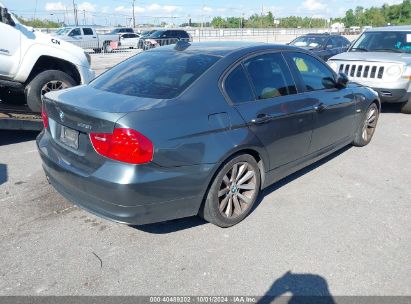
(339, 227)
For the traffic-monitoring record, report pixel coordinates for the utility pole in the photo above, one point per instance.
(134, 16)
(75, 13)
(35, 11)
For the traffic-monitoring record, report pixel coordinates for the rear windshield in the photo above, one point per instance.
(309, 41)
(162, 75)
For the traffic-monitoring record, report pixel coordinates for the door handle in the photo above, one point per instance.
(261, 118)
(320, 107)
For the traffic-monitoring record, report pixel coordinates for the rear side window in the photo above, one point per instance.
(182, 34)
(75, 32)
(237, 86)
(87, 31)
(270, 76)
(160, 74)
(315, 74)
(344, 41)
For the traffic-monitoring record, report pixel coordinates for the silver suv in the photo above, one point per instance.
(380, 59)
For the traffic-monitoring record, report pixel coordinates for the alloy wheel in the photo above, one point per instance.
(53, 85)
(237, 190)
(370, 123)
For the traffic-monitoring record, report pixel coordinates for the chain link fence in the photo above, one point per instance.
(269, 35)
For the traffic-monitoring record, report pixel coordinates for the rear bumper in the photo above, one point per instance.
(149, 196)
(393, 95)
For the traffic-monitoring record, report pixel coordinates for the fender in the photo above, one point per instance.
(47, 45)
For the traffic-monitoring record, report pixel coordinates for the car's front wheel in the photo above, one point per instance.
(233, 192)
(367, 127)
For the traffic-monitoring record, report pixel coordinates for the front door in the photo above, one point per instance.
(335, 107)
(264, 92)
(9, 49)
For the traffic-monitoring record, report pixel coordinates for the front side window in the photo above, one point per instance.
(332, 43)
(63, 31)
(238, 87)
(161, 74)
(270, 76)
(315, 74)
(157, 34)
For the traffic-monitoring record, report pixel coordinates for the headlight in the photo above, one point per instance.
(333, 65)
(88, 57)
(393, 71)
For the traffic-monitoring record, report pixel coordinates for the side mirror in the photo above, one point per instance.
(342, 80)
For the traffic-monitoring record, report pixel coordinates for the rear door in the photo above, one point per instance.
(335, 108)
(263, 91)
(90, 40)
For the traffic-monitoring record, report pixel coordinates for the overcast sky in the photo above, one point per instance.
(110, 12)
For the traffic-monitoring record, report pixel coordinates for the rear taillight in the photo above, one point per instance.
(125, 145)
(44, 117)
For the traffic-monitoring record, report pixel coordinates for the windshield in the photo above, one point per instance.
(63, 31)
(307, 41)
(156, 34)
(161, 75)
(396, 42)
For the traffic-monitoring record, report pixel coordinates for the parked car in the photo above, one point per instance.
(128, 40)
(323, 45)
(33, 63)
(198, 129)
(143, 35)
(122, 30)
(165, 37)
(380, 59)
(87, 38)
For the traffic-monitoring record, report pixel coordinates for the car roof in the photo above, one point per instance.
(321, 35)
(390, 28)
(220, 48)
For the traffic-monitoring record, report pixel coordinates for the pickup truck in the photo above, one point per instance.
(86, 37)
(32, 64)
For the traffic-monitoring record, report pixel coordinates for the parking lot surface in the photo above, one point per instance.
(340, 227)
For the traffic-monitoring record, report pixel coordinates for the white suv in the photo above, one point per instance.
(37, 63)
(380, 59)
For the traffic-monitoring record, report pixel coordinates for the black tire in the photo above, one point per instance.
(36, 88)
(213, 209)
(406, 107)
(107, 48)
(367, 126)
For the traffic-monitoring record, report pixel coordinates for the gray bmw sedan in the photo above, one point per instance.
(198, 128)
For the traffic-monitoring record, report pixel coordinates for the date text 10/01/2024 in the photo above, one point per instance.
(203, 299)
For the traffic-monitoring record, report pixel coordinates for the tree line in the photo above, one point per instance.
(396, 14)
